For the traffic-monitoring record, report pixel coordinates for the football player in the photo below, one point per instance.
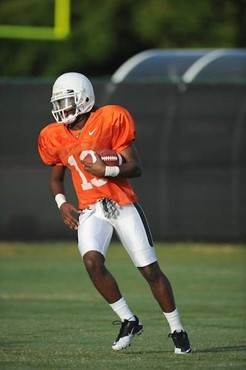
(106, 199)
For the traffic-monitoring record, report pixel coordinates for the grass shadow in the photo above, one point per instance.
(222, 349)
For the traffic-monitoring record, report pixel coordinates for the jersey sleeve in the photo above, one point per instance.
(47, 151)
(124, 131)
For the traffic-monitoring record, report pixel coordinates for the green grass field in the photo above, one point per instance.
(52, 317)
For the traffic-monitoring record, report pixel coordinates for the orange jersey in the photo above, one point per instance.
(109, 127)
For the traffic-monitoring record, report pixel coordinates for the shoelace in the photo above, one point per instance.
(117, 322)
(176, 335)
(178, 338)
(123, 324)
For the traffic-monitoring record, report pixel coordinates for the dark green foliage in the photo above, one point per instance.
(106, 33)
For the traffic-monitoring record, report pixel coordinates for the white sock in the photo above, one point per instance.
(122, 310)
(173, 320)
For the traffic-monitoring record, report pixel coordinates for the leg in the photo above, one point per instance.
(94, 235)
(162, 291)
(108, 288)
(135, 235)
(160, 286)
(106, 284)
(101, 277)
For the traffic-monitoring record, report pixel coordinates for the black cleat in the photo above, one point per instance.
(181, 342)
(127, 331)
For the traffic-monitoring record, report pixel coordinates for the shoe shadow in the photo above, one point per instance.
(142, 352)
(222, 349)
(194, 350)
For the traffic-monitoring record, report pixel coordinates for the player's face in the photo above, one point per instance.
(64, 110)
(69, 111)
(64, 104)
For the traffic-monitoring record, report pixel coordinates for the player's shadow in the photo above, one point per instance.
(222, 349)
(195, 350)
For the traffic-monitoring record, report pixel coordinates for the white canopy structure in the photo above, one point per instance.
(184, 65)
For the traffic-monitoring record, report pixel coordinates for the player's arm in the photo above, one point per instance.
(131, 167)
(56, 184)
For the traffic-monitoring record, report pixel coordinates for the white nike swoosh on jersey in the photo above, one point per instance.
(92, 132)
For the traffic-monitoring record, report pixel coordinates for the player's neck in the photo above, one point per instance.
(78, 125)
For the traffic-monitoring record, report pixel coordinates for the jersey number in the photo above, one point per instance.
(85, 184)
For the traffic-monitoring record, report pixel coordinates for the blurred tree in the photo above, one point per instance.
(106, 33)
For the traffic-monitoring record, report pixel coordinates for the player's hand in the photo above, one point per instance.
(97, 168)
(67, 211)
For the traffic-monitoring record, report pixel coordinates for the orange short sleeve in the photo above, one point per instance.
(46, 153)
(123, 131)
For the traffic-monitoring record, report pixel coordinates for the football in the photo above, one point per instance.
(109, 157)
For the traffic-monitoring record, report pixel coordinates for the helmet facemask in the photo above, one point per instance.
(66, 108)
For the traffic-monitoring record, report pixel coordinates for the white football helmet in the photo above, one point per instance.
(72, 95)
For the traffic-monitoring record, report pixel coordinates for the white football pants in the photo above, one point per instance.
(96, 225)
